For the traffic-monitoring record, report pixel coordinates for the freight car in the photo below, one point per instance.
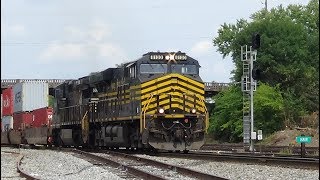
(28, 128)
(26, 114)
(156, 101)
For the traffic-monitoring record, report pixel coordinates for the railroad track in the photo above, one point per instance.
(292, 162)
(144, 168)
(22, 173)
(261, 148)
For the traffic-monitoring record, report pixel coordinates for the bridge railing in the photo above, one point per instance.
(29, 80)
(209, 86)
(10, 82)
(213, 86)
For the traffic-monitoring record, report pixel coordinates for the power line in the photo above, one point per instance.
(94, 43)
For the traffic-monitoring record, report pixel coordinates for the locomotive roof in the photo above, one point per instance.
(146, 58)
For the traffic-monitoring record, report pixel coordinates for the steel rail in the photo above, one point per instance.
(130, 170)
(19, 169)
(22, 172)
(259, 148)
(179, 169)
(301, 163)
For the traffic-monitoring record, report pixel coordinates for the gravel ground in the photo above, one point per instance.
(240, 170)
(164, 173)
(47, 164)
(8, 165)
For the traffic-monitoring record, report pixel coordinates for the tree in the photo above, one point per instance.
(226, 121)
(268, 109)
(289, 52)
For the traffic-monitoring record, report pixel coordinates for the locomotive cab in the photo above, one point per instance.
(173, 113)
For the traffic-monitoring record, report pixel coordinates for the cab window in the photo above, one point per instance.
(184, 69)
(153, 68)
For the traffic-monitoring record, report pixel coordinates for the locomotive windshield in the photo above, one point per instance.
(184, 69)
(153, 68)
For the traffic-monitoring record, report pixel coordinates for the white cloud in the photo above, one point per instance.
(88, 43)
(218, 71)
(12, 30)
(74, 32)
(80, 51)
(17, 29)
(98, 31)
(69, 51)
(202, 47)
(110, 50)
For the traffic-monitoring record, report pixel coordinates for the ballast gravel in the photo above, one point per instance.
(48, 164)
(240, 170)
(9, 164)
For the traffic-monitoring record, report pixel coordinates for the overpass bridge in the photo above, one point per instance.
(5, 83)
(211, 88)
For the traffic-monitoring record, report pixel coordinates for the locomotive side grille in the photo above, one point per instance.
(173, 91)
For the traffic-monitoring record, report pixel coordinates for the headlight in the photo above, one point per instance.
(161, 110)
(193, 111)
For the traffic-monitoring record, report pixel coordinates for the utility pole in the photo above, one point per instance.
(266, 5)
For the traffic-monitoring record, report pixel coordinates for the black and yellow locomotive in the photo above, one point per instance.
(155, 101)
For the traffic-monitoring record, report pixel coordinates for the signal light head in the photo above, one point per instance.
(161, 110)
(193, 111)
(256, 74)
(256, 41)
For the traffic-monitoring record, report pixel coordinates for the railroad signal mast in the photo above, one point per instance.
(248, 86)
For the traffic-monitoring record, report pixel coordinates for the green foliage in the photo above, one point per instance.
(226, 121)
(288, 56)
(293, 109)
(268, 109)
(50, 101)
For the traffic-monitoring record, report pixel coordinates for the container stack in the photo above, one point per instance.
(26, 104)
(7, 109)
(29, 96)
(42, 117)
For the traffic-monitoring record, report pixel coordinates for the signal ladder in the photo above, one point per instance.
(246, 56)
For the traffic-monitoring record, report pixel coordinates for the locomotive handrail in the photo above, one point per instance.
(206, 112)
(84, 125)
(143, 121)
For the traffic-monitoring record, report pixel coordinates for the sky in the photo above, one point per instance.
(69, 39)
